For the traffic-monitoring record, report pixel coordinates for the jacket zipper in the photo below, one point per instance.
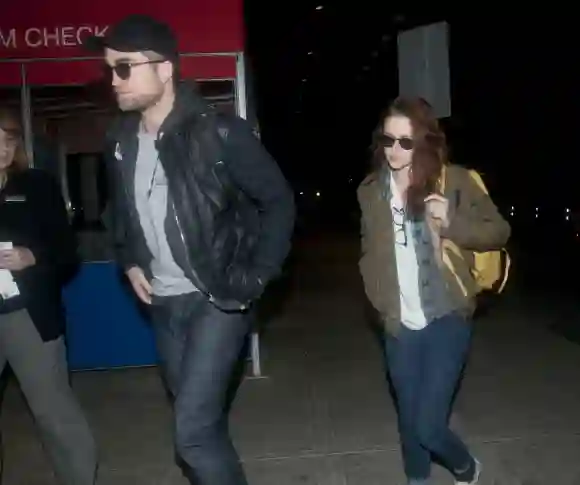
(198, 283)
(191, 268)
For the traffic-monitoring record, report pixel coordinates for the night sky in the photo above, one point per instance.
(322, 76)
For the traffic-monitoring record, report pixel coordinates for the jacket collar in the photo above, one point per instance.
(189, 105)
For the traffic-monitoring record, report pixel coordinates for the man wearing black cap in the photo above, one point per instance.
(202, 219)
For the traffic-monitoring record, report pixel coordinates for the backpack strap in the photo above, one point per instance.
(443, 179)
(475, 175)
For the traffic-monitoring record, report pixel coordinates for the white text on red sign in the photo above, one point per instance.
(47, 37)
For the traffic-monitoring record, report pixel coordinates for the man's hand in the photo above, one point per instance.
(246, 283)
(16, 259)
(437, 209)
(140, 285)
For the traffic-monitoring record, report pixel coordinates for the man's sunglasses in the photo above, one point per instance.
(123, 69)
(388, 141)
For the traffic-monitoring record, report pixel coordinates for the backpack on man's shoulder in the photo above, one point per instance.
(490, 269)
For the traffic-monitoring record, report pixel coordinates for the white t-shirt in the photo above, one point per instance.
(412, 315)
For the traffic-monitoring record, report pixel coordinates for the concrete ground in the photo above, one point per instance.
(323, 415)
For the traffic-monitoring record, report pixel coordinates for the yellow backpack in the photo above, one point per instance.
(491, 268)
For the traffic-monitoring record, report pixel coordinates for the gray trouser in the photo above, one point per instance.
(41, 370)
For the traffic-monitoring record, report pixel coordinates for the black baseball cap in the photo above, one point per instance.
(137, 33)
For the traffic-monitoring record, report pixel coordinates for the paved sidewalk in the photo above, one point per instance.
(323, 414)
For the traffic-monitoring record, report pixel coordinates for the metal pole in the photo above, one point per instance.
(241, 98)
(62, 152)
(26, 113)
(241, 94)
(255, 354)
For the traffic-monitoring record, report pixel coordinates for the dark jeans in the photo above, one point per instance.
(425, 366)
(199, 347)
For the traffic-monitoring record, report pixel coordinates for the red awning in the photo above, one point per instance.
(40, 29)
(52, 73)
(10, 75)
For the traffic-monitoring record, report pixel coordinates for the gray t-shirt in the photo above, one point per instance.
(151, 197)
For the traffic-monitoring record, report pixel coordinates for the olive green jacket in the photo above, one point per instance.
(475, 225)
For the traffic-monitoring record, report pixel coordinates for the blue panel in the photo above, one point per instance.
(104, 326)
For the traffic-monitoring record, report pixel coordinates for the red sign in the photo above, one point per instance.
(53, 73)
(32, 29)
(10, 75)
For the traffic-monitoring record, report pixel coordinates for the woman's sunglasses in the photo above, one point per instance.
(388, 141)
(123, 69)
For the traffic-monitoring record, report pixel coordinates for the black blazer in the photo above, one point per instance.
(33, 215)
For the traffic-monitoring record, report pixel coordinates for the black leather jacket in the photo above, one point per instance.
(230, 213)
